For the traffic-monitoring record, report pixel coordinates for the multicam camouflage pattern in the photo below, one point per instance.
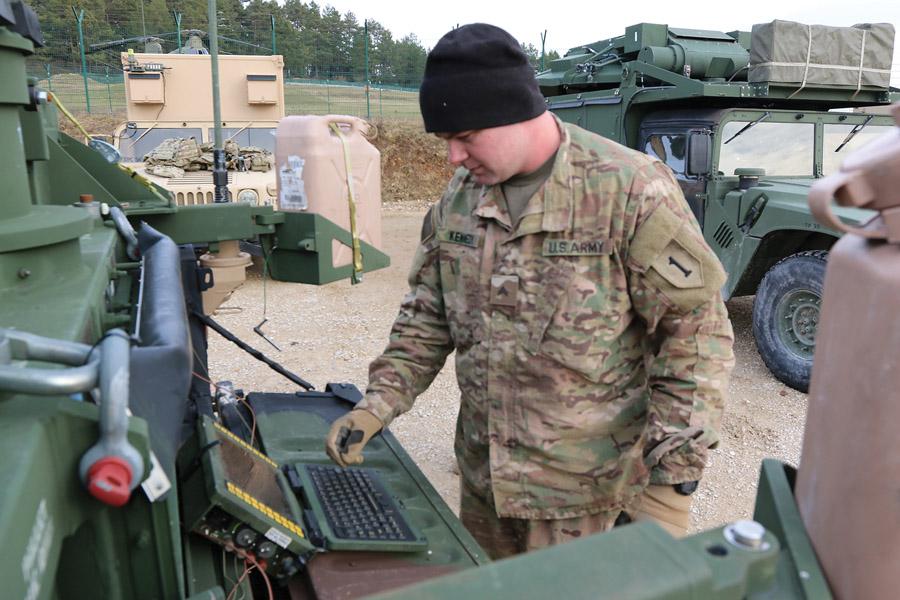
(175, 152)
(174, 156)
(502, 537)
(592, 345)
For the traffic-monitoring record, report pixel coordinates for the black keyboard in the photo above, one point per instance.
(357, 506)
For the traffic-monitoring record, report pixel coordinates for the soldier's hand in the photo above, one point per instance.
(669, 509)
(349, 435)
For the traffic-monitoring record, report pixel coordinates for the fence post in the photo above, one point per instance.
(328, 96)
(108, 91)
(368, 109)
(273, 35)
(79, 18)
(49, 77)
(380, 106)
(543, 41)
(177, 16)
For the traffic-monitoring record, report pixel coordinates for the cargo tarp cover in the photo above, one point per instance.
(794, 53)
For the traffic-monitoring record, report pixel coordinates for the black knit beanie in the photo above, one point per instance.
(478, 77)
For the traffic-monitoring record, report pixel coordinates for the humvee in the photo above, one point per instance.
(746, 131)
(168, 96)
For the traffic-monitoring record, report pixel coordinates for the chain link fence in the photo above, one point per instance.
(96, 84)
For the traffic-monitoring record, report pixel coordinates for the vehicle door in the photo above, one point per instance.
(673, 147)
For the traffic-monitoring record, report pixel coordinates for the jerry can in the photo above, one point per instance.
(311, 172)
(848, 484)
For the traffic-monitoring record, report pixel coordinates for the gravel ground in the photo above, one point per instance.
(331, 333)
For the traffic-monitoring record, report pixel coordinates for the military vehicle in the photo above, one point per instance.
(168, 98)
(123, 476)
(746, 122)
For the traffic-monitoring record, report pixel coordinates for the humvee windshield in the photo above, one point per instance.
(782, 149)
(134, 144)
(262, 137)
(835, 134)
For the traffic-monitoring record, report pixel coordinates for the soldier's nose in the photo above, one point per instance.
(456, 153)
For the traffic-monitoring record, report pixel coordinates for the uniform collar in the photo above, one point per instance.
(557, 198)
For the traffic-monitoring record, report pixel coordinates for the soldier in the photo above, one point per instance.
(592, 345)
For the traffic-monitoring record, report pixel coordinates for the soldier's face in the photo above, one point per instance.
(492, 155)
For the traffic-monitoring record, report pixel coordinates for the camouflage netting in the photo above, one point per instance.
(174, 156)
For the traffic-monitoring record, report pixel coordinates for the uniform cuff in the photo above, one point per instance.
(379, 407)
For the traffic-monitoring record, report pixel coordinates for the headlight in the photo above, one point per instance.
(248, 197)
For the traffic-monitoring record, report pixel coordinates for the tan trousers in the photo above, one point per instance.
(502, 537)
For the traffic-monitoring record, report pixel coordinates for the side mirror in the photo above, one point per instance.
(698, 154)
(106, 150)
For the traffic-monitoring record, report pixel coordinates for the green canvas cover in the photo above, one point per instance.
(816, 55)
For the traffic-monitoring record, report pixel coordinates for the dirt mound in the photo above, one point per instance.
(104, 124)
(414, 166)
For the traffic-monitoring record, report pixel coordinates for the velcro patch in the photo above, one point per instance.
(679, 266)
(653, 236)
(575, 247)
(428, 226)
(458, 237)
(504, 290)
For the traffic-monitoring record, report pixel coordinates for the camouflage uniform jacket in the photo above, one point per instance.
(592, 344)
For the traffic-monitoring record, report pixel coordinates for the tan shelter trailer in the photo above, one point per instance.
(170, 96)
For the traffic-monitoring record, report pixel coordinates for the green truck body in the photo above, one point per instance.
(745, 153)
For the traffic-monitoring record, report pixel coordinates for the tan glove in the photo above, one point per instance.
(349, 435)
(666, 507)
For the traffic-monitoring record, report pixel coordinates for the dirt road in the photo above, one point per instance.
(331, 333)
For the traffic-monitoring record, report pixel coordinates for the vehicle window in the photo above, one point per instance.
(263, 137)
(836, 134)
(669, 148)
(134, 144)
(786, 149)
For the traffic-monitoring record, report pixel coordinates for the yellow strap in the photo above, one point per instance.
(55, 100)
(351, 200)
(87, 138)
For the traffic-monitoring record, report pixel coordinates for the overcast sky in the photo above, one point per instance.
(573, 22)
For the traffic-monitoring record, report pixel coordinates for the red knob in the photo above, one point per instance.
(109, 480)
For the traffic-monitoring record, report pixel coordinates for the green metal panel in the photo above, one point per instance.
(63, 294)
(211, 222)
(60, 532)
(638, 562)
(116, 187)
(297, 436)
(301, 250)
(644, 34)
(43, 226)
(799, 574)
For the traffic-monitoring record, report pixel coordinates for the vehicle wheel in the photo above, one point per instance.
(786, 316)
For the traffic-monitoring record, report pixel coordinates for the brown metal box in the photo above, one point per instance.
(262, 89)
(146, 88)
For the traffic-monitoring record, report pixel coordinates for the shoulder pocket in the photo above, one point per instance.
(675, 260)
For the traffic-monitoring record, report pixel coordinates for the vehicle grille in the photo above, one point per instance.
(724, 236)
(189, 198)
(196, 178)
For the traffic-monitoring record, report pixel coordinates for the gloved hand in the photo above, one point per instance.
(349, 435)
(666, 507)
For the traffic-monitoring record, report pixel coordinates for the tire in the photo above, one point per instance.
(786, 315)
